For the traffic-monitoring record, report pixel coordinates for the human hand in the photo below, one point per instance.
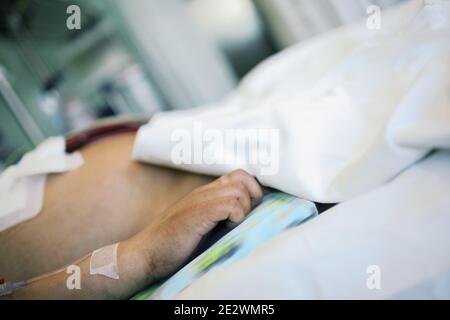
(167, 243)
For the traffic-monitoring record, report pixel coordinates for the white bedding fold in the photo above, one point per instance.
(22, 185)
(353, 107)
(400, 229)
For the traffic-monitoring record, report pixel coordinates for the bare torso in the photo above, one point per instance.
(108, 199)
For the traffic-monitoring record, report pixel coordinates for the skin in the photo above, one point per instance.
(159, 216)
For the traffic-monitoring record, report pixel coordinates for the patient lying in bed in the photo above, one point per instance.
(346, 137)
(158, 215)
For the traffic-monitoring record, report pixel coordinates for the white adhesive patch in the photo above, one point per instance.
(104, 262)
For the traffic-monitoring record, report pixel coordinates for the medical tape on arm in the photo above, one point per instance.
(104, 262)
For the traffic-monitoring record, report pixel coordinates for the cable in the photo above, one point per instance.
(8, 288)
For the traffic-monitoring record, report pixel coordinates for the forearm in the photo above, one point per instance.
(160, 248)
(133, 276)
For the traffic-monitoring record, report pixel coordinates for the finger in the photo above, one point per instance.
(236, 211)
(243, 195)
(248, 180)
(224, 209)
(216, 191)
(237, 190)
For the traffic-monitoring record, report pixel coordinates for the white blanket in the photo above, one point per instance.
(393, 242)
(353, 107)
(358, 110)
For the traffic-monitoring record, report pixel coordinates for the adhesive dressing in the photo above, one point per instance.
(104, 262)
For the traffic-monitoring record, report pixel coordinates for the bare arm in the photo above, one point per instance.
(161, 247)
(134, 275)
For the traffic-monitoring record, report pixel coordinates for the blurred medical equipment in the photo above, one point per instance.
(237, 28)
(18, 109)
(131, 93)
(56, 80)
(291, 21)
(187, 68)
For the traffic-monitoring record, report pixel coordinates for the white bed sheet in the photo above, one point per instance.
(357, 110)
(402, 228)
(353, 107)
